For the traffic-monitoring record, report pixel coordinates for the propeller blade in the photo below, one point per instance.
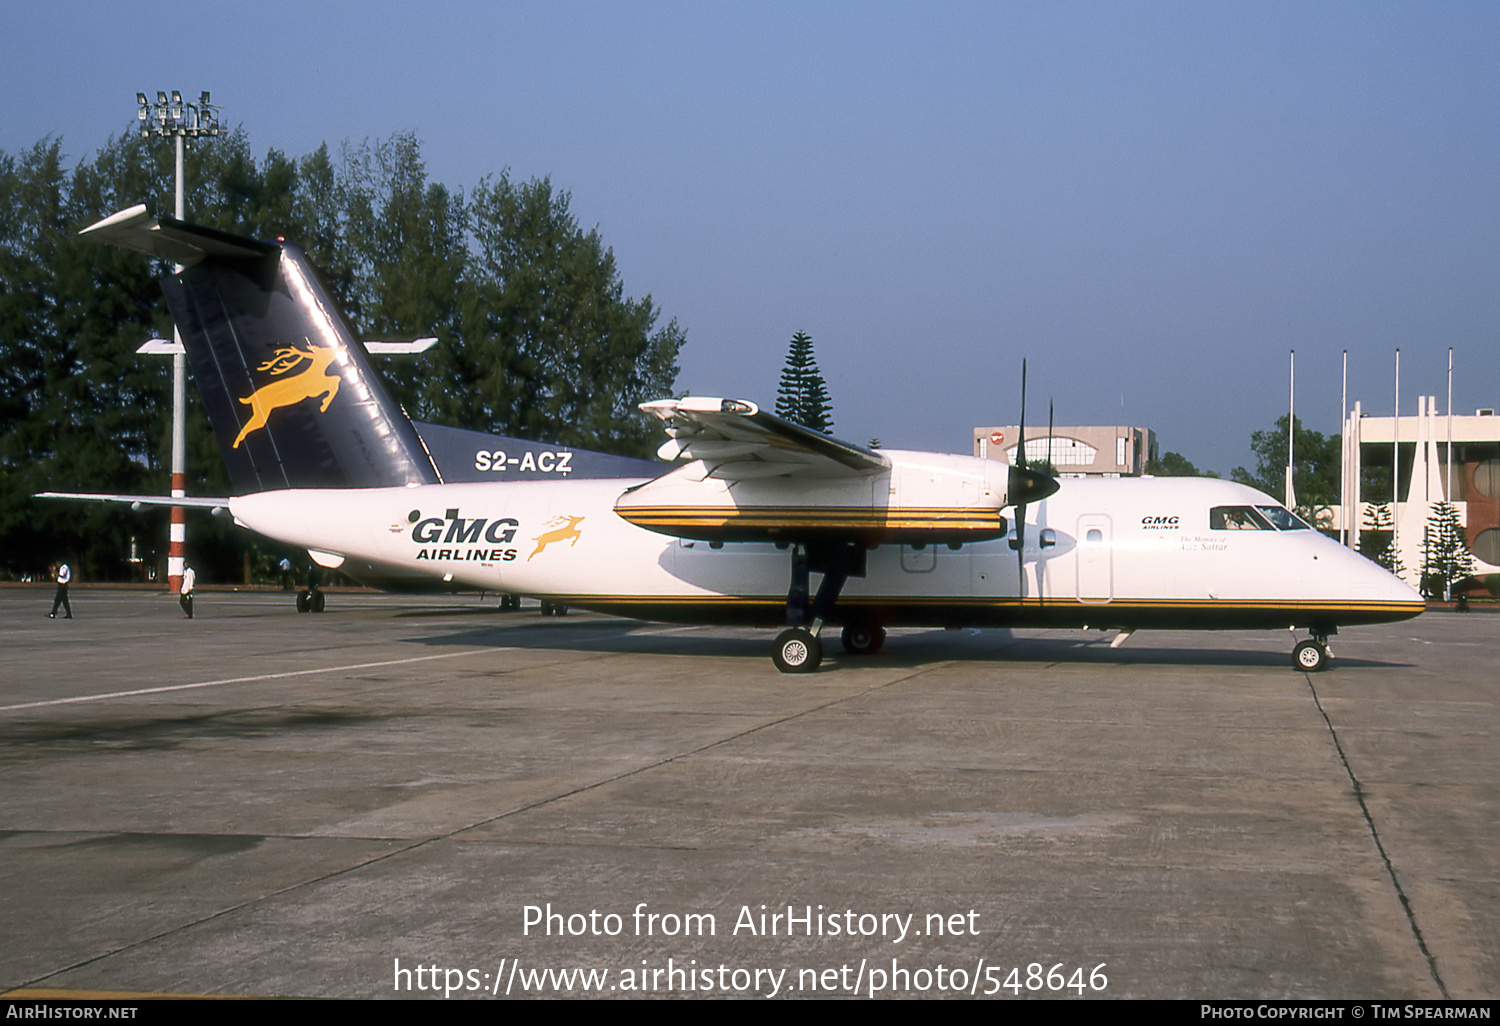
(1049, 436)
(1018, 485)
(1021, 451)
(1052, 466)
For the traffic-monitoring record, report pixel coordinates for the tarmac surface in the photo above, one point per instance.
(260, 803)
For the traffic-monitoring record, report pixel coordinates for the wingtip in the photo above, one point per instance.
(130, 216)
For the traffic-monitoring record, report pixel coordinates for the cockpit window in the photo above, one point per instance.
(1237, 518)
(1284, 519)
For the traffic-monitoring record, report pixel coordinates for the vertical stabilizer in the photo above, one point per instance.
(289, 391)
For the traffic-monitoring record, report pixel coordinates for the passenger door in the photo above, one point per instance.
(1095, 559)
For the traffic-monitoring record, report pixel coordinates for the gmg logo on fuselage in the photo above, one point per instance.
(453, 530)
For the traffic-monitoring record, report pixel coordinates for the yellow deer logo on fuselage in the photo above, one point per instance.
(563, 528)
(309, 383)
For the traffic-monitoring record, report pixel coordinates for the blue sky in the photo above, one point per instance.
(1152, 202)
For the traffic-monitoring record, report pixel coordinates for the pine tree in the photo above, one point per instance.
(1445, 557)
(803, 395)
(1378, 539)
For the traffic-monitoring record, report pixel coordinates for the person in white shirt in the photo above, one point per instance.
(189, 579)
(64, 575)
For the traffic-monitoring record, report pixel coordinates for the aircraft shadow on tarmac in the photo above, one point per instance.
(919, 647)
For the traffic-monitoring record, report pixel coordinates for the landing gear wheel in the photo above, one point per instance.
(1310, 656)
(303, 605)
(509, 603)
(317, 600)
(859, 639)
(553, 608)
(798, 650)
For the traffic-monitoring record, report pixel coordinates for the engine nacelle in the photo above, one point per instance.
(919, 497)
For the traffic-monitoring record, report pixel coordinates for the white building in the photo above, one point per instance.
(1074, 451)
(1419, 449)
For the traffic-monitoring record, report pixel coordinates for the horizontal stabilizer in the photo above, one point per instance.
(171, 239)
(193, 501)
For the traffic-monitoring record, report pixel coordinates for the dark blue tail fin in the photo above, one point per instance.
(289, 391)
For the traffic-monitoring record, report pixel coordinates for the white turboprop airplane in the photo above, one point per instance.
(754, 508)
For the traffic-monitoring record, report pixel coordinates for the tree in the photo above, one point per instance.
(77, 410)
(803, 395)
(1446, 559)
(537, 337)
(549, 347)
(1174, 464)
(1377, 541)
(1316, 463)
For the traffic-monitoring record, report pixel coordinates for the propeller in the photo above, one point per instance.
(1025, 486)
(1040, 591)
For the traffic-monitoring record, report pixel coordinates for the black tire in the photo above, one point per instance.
(303, 605)
(1310, 656)
(797, 651)
(860, 639)
(318, 601)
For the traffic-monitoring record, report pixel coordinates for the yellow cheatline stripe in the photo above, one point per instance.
(780, 510)
(786, 524)
(881, 518)
(803, 516)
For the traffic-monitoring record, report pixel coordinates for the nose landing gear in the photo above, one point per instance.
(1312, 655)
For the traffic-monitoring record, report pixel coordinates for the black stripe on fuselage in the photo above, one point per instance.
(1160, 614)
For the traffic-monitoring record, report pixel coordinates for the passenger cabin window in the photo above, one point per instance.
(1283, 518)
(1236, 518)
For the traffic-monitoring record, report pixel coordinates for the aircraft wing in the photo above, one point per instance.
(137, 501)
(737, 441)
(745, 475)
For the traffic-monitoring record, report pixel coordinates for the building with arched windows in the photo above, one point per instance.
(1074, 451)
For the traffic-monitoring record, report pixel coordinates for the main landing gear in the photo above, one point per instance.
(1312, 655)
(799, 648)
(862, 639)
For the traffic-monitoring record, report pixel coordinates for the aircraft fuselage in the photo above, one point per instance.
(1125, 553)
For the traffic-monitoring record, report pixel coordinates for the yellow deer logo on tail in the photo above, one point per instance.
(563, 528)
(309, 383)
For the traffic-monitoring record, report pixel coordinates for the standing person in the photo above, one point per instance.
(186, 600)
(64, 575)
(286, 574)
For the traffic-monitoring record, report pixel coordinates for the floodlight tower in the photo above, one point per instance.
(180, 121)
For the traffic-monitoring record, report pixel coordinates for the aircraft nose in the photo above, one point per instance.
(1370, 580)
(1023, 486)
